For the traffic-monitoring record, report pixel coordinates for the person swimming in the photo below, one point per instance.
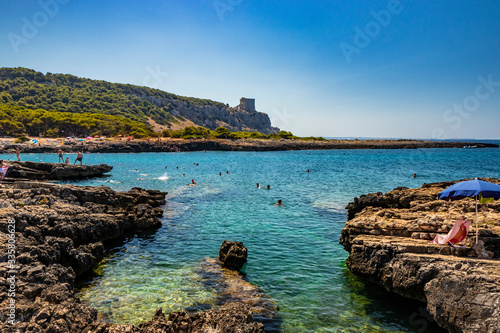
(268, 187)
(193, 183)
(258, 185)
(308, 170)
(279, 203)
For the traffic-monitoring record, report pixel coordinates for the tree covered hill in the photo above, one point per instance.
(67, 93)
(18, 121)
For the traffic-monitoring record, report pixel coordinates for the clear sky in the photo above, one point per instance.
(383, 68)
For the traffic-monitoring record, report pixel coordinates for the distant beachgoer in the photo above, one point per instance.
(268, 187)
(308, 170)
(165, 167)
(66, 161)
(193, 182)
(279, 203)
(183, 174)
(3, 170)
(220, 173)
(414, 175)
(227, 172)
(258, 185)
(17, 154)
(60, 154)
(177, 167)
(79, 158)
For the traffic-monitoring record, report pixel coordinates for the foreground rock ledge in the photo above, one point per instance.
(388, 239)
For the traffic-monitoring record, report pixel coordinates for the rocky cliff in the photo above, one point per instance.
(388, 237)
(213, 116)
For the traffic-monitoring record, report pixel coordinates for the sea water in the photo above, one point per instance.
(294, 254)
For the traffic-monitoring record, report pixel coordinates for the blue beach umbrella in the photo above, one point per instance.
(471, 188)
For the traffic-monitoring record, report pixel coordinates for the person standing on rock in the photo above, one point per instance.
(60, 154)
(79, 158)
(17, 154)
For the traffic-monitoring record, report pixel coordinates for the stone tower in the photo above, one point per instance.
(247, 104)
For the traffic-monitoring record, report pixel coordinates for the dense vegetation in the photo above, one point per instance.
(67, 93)
(17, 120)
(223, 133)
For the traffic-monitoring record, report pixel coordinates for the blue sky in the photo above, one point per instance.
(413, 69)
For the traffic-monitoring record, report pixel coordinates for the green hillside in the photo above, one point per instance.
(18, 120)
(67, 93)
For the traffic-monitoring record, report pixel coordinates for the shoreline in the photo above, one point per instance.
(7, 146)
(388, 237)
(58, 234)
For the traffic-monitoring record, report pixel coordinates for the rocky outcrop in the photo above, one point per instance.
(233, 255)
(388, 237)
(213, 116)
(57, 234)
(54, 171)
(232, 317)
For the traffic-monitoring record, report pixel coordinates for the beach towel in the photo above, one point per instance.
(456, 235)
(3, 172)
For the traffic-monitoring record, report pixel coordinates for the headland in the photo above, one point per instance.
(187, 145)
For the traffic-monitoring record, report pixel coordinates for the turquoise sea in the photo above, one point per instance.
(293, 250)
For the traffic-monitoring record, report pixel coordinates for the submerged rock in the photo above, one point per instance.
(229, 318)
(388, 237)
(233, 255)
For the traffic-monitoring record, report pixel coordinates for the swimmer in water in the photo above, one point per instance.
(308, 170)
(268, 187)
(258, 185)
(279, 203)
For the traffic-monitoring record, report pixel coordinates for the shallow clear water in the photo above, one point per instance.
(293, 250)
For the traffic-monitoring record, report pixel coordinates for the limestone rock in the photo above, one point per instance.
(54, 171)
(388, 237)
(233, 255)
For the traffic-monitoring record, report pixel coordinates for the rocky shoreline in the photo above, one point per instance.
(53, 171)
(388, 237)
(175, 145)
(56, 233)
